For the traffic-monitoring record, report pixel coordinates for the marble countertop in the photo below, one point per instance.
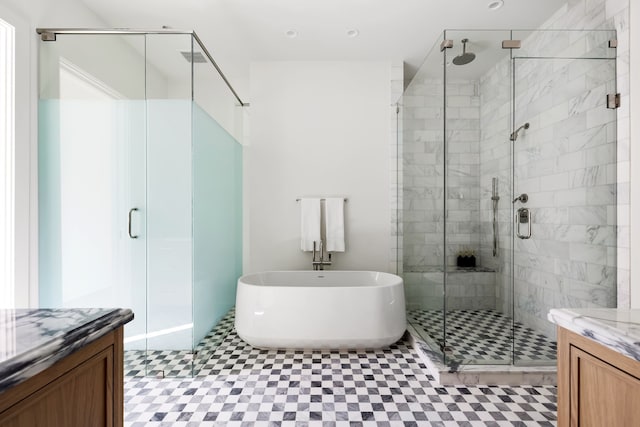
(33, 340)
(617, 329)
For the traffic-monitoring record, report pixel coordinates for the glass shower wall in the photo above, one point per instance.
(423, 201)
(170, 324)
(483, 264)
(217, 204)
(140, 174)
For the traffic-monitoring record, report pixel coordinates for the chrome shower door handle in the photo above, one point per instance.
(523, 216)
(130, 214)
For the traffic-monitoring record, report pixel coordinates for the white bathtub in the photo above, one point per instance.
(320, 309)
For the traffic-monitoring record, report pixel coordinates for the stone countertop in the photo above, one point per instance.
(617, 329)
(33, 340)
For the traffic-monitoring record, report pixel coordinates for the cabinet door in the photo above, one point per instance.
(601, 394)
(81, 397)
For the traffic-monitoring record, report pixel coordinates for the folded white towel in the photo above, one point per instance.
(334, 224)
(309, 224)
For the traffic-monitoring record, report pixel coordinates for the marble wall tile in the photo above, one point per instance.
(572, 195)
(424, 160)
(573, 163)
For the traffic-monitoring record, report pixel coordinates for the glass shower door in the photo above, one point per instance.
(476, 198)
(564, 177)
(92, 249)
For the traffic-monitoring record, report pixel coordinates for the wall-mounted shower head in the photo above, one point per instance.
(466, 57)
(514, 135)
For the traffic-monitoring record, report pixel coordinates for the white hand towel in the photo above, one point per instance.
(334, 224)
(309, 224)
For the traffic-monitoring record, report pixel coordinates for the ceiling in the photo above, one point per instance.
(238, 32)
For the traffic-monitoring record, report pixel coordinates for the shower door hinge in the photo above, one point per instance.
(47, 36)
(446, 44)
(613, 43)
(613, 101)
(511, 44)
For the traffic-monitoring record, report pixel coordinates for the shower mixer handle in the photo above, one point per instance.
(524, 198)
(523, 217)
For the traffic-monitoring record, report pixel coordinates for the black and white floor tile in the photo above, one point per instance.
(484, 336)
(174, 363)
(243, 386)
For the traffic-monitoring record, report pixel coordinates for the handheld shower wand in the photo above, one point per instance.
(514, 135)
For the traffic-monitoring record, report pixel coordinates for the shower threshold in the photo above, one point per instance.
(470, 364)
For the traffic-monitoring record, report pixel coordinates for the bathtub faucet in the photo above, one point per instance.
(319, 264)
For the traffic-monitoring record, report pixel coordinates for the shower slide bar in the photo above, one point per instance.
(49, 34)
(495, 198)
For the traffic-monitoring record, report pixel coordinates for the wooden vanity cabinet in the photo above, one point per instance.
(83, 389)
(596, 385)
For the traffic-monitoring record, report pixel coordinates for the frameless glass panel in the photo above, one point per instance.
(565, 44)
(477, 176)
(565, 162)
(91, 176)
(423, 200)
(217, 205)
(169, 210)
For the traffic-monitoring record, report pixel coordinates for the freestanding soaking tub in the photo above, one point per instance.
(320, 309)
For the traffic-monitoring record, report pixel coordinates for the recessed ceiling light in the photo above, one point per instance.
(352, 33)
(495, 5)
(292, 34)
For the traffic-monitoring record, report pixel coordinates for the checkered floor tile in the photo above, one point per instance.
(172, 363)
(484, 336)
(243, 386)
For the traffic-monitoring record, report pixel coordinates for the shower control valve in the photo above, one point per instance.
(524, 198)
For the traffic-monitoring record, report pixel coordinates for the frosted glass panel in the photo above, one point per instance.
(217, 220)
(91, 172)
(169, 211)
(169, 224)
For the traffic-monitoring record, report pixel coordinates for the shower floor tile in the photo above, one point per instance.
(484, 336)
(243, 386)
(177, 363)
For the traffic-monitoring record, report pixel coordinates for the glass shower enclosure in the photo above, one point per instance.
(140, 189)
(508, 190)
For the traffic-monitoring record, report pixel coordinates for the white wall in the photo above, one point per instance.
(318, 129)
(634, 95)
(24, 138)
(213, 96)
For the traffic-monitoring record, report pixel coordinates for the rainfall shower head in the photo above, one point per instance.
(194, 57)
(466, 57)
(514, 135)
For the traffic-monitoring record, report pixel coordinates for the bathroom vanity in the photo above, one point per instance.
(598, 366)
(62, 367)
